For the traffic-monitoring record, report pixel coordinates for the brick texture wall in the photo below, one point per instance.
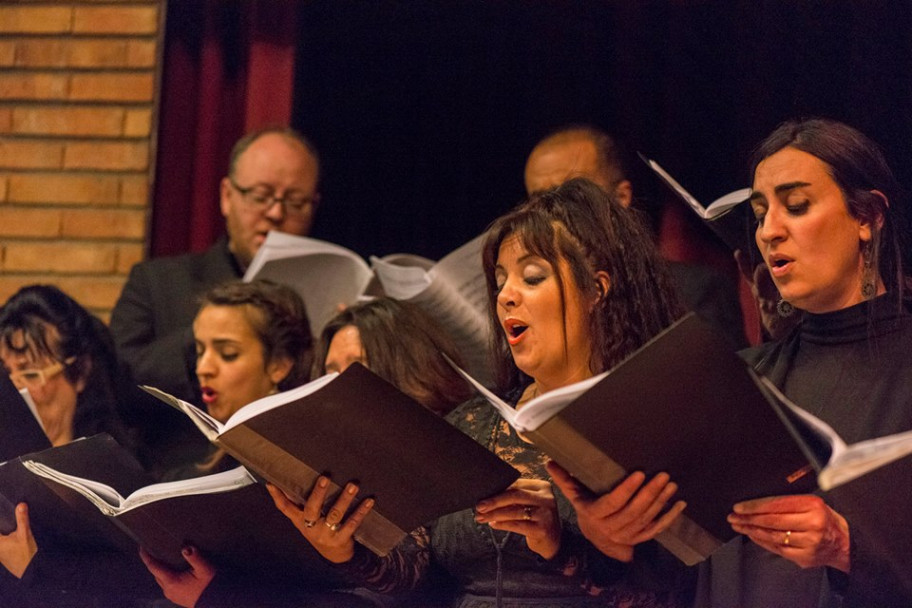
(78, 104)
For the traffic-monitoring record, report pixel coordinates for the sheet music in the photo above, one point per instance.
(327, 276)
(453, 293)
(400, 282)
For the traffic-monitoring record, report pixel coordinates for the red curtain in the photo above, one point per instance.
(228, 68)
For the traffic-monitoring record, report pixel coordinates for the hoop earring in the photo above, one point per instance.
(868, 282)
(785, 308)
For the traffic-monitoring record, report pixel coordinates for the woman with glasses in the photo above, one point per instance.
(64, 358)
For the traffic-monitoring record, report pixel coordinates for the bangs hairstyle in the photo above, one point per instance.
(402, 345)
(581, 225)
(33, 311)
(858, 166)
(277, 316)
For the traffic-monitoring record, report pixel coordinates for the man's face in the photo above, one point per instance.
(552, 163)
(282, 168)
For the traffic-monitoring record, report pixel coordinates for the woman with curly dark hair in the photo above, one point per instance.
(575, 285)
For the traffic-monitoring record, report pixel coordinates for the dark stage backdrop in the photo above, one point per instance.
(424, 111)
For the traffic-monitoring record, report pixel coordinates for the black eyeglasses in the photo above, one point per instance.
(264, 197)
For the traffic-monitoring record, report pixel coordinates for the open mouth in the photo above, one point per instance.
(778, 265)
(208, 394)
(515, 330)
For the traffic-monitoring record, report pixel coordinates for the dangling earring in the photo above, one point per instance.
(785, 308)
(868, 282)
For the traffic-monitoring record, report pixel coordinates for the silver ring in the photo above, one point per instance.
(332, 527)
(527, 513)
(787, 539)
(310, 523)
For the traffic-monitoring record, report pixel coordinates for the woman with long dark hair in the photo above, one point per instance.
(829, 226)
(575, 285)
(400, 343)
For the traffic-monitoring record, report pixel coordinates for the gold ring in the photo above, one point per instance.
(787, 539)
(332, 527)
(310, 523)
(527, 513)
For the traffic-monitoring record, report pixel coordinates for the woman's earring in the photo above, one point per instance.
(868, 282)
(785, 308)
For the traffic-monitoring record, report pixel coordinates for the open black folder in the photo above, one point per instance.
(355, 426)
(686, 404)
(92, 494)
(57, 521)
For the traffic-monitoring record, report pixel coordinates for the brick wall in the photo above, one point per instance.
(78, 104)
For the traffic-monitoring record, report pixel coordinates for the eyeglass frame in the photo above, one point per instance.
(44, 374)
(272, 199)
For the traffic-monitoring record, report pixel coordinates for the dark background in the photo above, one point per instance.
(424, 112)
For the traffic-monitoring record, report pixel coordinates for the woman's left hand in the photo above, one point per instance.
(630, 514)
(527, 507)
(802, 529)
(18, 547)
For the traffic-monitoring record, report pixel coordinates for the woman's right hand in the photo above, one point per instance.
(331, 535)
(184, 588)
(19, 546)
(626, 516)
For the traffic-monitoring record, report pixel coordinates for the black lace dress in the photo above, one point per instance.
(491, 568)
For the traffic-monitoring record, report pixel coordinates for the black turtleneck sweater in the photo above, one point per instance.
(851, 369)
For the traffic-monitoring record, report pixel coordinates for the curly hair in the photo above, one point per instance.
(858, 166)
(402, 345)
(578, 223)
(278, 318)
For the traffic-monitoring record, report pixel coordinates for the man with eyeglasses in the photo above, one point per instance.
(271, 184)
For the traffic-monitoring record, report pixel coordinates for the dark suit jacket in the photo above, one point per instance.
(152, 326)
(152, 320)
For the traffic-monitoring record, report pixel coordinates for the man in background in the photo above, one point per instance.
(271, 184)
(585, 151)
